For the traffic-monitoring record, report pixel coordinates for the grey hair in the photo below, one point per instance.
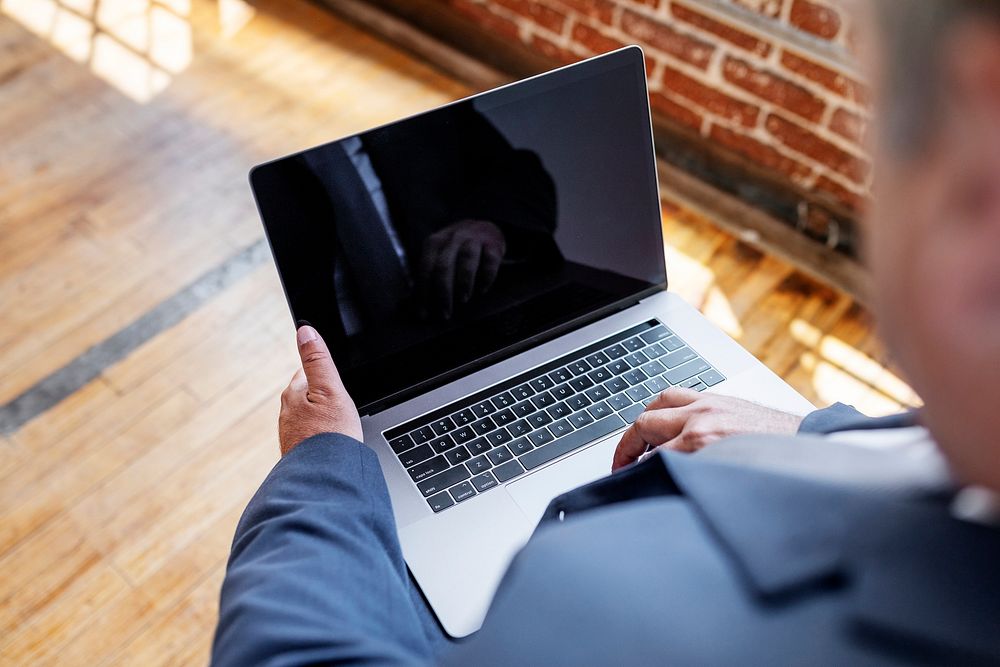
(912, 34)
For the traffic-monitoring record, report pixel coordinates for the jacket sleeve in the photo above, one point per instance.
(834, 418)
(316, 575)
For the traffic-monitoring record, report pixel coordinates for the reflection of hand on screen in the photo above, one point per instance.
(458, 261)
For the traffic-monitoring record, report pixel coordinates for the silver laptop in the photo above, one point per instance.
(490, 278)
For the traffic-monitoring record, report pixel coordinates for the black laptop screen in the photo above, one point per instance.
(425, 247)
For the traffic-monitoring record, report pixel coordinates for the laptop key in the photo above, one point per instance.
(560, 428)
(581, 383)
(620, 401)
(484, 408)
(541, 383)
(578, 402)
(655, 350)
(618, 367)
(520, 427)
(597, 359)
(483, 426)
(540, 419)
(684, 371)
(634, 376)
(504, 417)
(401, 444)
(579, 367)
(508, 471)
(637, 393)
(598, 410)
(461, 492)
(443, 426)
(559, 410)
(615, 351)
(463, 417)
(672, 343)
(655, 334)
(561, 375)
(540, 437)
(412, 457)
(652, 368)
(478, 465)
(598, 393)
(500, 455)
(440, 501)
(463, 435)
(428, 468)
(599, 374)
(441, 481)
(710, 378)
(630, 413)
(523, 409)
(690, 382)
(483, 482)
(441, 444)
(574, 440)
(543, 400)
(422, 434)
(499, 437)
(522, 392)
(615, 385)
(562, 391)
(479, 446)
(633, 344)
(504, 400)
(520, 446)
(636, 359)
(675, 359)
(582, 418)
(655, 385)
(457, 455)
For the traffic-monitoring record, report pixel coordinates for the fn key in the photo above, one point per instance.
(440, 501)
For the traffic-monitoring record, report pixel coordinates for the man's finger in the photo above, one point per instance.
(317, 364)
(444, 275)
(650, 428)
(675, 397)
(489, 267)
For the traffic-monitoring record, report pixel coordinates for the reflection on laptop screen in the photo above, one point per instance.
(441, 240)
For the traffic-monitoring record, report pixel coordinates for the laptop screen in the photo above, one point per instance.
(441, 242)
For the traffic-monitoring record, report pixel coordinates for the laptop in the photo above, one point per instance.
(490, 277)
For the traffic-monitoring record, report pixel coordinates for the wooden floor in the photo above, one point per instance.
(126, 139)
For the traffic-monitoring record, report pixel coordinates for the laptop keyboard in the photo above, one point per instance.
(482, 441)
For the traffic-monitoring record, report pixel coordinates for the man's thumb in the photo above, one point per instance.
(317, 364)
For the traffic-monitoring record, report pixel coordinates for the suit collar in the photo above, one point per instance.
(913, 570)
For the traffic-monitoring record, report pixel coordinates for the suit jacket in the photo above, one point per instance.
(678, 560)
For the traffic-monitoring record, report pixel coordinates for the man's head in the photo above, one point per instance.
(934, 230)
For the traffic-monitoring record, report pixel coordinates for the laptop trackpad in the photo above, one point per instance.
(533, 493)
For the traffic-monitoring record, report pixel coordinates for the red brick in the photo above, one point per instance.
(664, 38)
(678, 112)
(487, 19)
(538, 12)
(839, 83)
(599, 10)
(709, 98)
(769, 8)
(856, 201)
(848, 125)
(773, 88)
(594, 40)
(815, 18)
(552, 51)
(761, 154)
(721, 30)
(806, 142)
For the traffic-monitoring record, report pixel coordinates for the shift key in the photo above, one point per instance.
(443, 481)
(574, 440)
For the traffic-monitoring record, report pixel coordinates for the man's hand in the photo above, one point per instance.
(685, 420)
(315, 401)
(459, 260)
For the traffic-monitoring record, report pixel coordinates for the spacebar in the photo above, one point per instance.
(568, 443)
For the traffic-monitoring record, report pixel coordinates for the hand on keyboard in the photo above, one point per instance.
(685, 420)
(315, 401)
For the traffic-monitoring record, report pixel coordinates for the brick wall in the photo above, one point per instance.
(769, 80)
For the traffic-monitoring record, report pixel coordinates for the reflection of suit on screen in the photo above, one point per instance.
(435, 170)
